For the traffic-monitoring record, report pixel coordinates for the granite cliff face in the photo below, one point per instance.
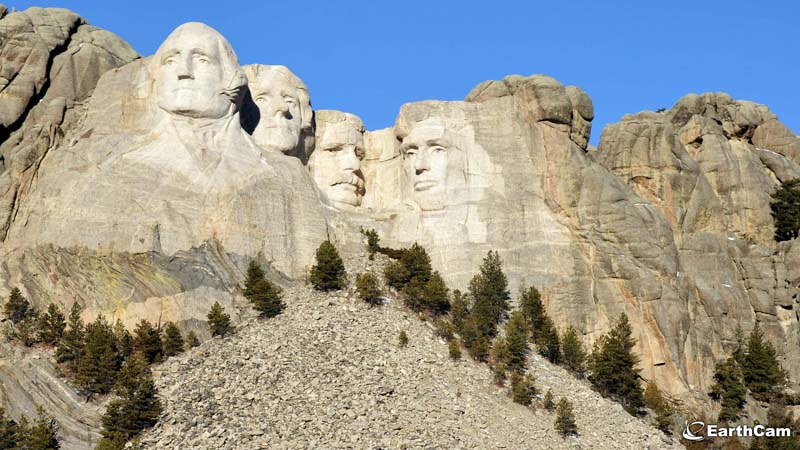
(142, 187)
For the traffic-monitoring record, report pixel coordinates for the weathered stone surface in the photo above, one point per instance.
(708, 166)
(336, 161)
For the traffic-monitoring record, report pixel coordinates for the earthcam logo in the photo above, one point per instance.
(694, 431)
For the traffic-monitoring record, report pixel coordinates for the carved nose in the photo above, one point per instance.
(421, 162)
(185, 69)
(350, 160)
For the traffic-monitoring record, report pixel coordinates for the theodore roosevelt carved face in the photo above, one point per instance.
(196, 73)
(336, 161)
(284, 108)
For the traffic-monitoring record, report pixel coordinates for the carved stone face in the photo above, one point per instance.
(279, 105)
(190, 73)
(336, 161)
(429, 156)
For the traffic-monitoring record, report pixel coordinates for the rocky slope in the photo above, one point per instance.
(328, 374)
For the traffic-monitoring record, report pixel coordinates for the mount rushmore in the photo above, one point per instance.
(141, 187)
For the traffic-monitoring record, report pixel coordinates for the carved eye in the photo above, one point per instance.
(438, 148)
(203, 60)
(334, 149)
(171, 61)
(289, 101)
(411, 151)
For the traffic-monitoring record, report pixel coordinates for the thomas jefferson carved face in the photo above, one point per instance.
(336, 161)
(193, 70)
(429, 156)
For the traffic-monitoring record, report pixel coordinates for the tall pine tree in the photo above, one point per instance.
(52, 325)
(613, 366)
(100, 359)
(173, 340)
(147, 340)
(729, 390)
(574, 356)
(70, 347)
(760, 368)
(218, 321)
(137, 407)
(516, 343)
(17, 308)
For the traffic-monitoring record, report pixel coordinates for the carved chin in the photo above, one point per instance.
(430, 201)
(276, 138)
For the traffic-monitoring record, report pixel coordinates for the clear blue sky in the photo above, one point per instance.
(370, 57)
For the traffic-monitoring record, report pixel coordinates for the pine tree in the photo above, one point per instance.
(729, 389)
(17, 308)
(124, 340)
(329, 273)
(173, 340)
(52, 325)
(70, 348)
(100, 361)
(396, 275)
(367, 288)
(435, 294)
(147, 340)
(403, 340)
(548, 402)
(523, 388)
(565, 418)
(613, 367)
(549, 344)
(9, 431)
(654, 400)
(459, 311)
(373, 241)
(412, 279)
(254, 276)
(27, 331)
(785, 207)
(191, 340)
(762, 372)
(454, 349)
(114, 441)
(530, 303)
(489, 292)
(516, 342)
(574, 356)
(42, 435)
(218, 321)
(137, 407)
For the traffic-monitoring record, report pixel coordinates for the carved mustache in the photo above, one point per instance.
(351, 178)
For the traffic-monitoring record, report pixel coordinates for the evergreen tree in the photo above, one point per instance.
(52, 325)
(147, 340)
(114, 441)
(137, 407)
(435, 294)
(27, 331)
(489, 292)
(454, 350)
(173, 340)
(9, 431)
(329, 273)
(396, 275)
(662, 411)
(42, 434)
(500, 359)
(729, 389)
(785, 206)
(548, 342)
(17, 308)
(124, 340)
(100, 361)
(516, 342)
(373, 241)
(613, 367)
(459, 311)
(574, 356)
(413, 278)
(403, 339)
(761, 371)
(367, 288)
(218, 321)
(254, 276)
(523, 388)
(70, 348)
(565, 418)
(192, 340)
(548, 402)
(530, 303)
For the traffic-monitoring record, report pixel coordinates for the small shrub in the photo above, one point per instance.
(262, 293)
(454, 349)
(499, 373)
(549, 404)
(192, 340)
(403, 339)
(329, 272)
(367, 288)
(373, 241)
(219, 321)
(444, 329)
(565, 418)
(523, 388)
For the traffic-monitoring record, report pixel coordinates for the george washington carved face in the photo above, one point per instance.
(196, 72)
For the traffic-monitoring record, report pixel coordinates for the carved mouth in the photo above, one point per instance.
(424, 185)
